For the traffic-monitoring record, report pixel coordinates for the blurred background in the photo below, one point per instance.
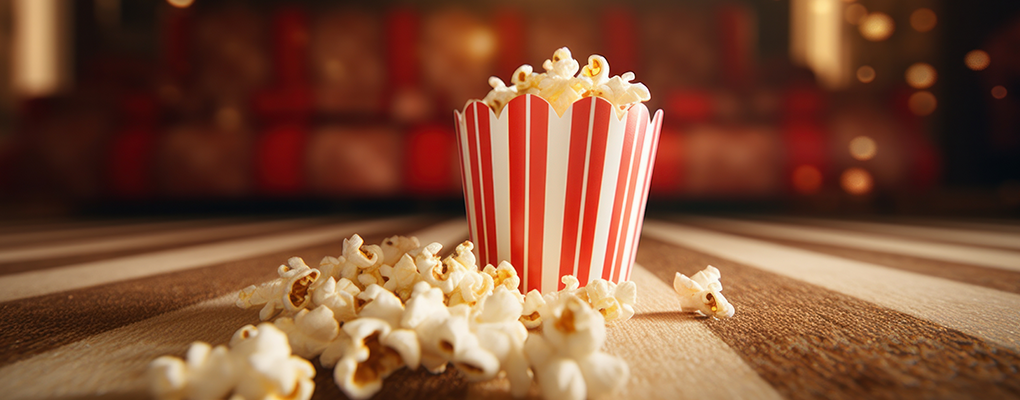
(804, 106)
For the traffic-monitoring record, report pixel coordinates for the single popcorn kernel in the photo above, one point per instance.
(566, 322)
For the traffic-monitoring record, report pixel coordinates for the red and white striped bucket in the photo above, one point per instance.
(557, 195)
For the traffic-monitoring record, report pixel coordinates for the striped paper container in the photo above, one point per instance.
(557, 195)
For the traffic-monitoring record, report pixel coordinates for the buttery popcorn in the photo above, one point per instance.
(309, 332)
(288, 292)
(378, 308)
(702, 293)
(258, 365)
(375, 350)
(561, 85)
(566, 357)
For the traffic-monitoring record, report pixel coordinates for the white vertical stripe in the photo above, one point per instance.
(469, 187)
(525, 265)
(500, 129)
(555, 194)
(978, 311)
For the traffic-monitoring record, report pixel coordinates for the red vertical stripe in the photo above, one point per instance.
(596, 164)
(518, 158)
(656, 127)
(575, 181)
(626, 152)
(536, 220)
(476, 185)
(628, 208)
(485, 141)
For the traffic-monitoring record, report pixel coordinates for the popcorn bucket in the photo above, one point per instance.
(555, 195)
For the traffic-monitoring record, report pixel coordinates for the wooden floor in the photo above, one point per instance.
(825, 308)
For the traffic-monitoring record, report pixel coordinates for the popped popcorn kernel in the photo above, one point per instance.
(702, 292)
(309, 332)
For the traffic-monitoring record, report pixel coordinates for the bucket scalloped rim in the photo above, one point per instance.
(557, 195)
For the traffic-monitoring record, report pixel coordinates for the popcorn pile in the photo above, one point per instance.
(378, 308)
(560, 87)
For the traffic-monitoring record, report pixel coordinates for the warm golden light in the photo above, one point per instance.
(977, 60)
(923, 19)
(856, 181)
(999, 92)
(876, 27)
(855, 13)
(180, 3)
(865, 74)
(921, 76)
(863, 148)
(481, 44)
(807, 179)
(922, 103)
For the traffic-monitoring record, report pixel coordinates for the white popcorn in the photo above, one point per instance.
(525, 81)
(266, 368)
(309, 332)
(504, 275)
(358, 258)
(382, 304)
(425, 313)
(394, 248)
(572, 326)
(375, 351)
(288, 292)
(473, 286)
(561, 88)
(330, 267)
(702, 293)
(502, 335)
(401, 277)
(340, 297)
(615, 302)
(445, 274)
(566, 356)
(258, 365)
(530, 316)
(500, 94)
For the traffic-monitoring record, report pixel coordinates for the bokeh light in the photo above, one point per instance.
(865, 74)
(856, 181)
(921, 75)
(180, 3)
(876, 27)
(977, 60)
(999, 92)
(922, 103)
(855, 13)
(807, 179)
(923, 19)
(863, 148)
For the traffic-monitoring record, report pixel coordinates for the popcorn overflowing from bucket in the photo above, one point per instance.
(561, 84)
